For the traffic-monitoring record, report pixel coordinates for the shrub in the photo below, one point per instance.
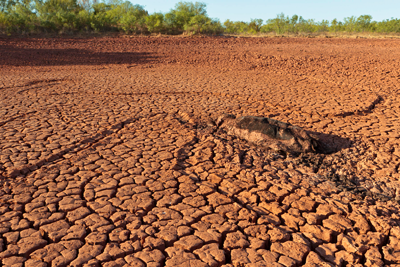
(20, 18)
(116, 15)
(100, 17)
(179, 19)
(387, 26)
(364, 23)
(279, 24)
(236, 27)
(336, 26)
(155, 23)
(131, 18)
(203, 24)
(350, 24)
(307, 26)
(58, 14)
(255, 25)
(213, 26)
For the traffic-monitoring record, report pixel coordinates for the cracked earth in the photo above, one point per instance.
(110, 154)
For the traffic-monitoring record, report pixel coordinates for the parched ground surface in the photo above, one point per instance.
(109, 153)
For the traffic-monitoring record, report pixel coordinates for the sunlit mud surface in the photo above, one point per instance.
(110, 154)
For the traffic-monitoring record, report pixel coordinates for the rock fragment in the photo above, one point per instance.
(269, 133)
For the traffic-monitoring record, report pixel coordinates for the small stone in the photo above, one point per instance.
(268, 132)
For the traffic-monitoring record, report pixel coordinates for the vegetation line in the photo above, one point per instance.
(72, 16)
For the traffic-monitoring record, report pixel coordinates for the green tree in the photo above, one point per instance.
(155, 22)
(196, 24)
(386, 26)
(178, 18)
(335, 25)
(364, 23)
(131, 18)
(19, 17)
(279, 24)
(255, 25)
(236, 27)
(293, 24)
(203, 24)
(101, 18)
(58, 14)
(7, 5)
(323, 26)
(350, 24)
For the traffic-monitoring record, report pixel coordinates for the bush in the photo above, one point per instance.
(133, 20)
(307, 26)
(201, 24)
(350, 24)
(155, 23)
(58, 15)
(4, 22)
(364, 23)
(336, 26)
(101, 18)
(179, 19)
(279, 24)
(255, 25)
(19, 18)
(22, 16)
(236, 27)
(387, 26)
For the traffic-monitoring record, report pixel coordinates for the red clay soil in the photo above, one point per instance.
(109, 153)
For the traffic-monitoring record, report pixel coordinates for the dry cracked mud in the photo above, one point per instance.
(110, 155)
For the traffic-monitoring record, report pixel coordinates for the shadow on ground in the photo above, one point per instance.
(330, 143)
(16, 56)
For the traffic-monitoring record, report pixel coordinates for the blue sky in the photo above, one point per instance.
(245, 10)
